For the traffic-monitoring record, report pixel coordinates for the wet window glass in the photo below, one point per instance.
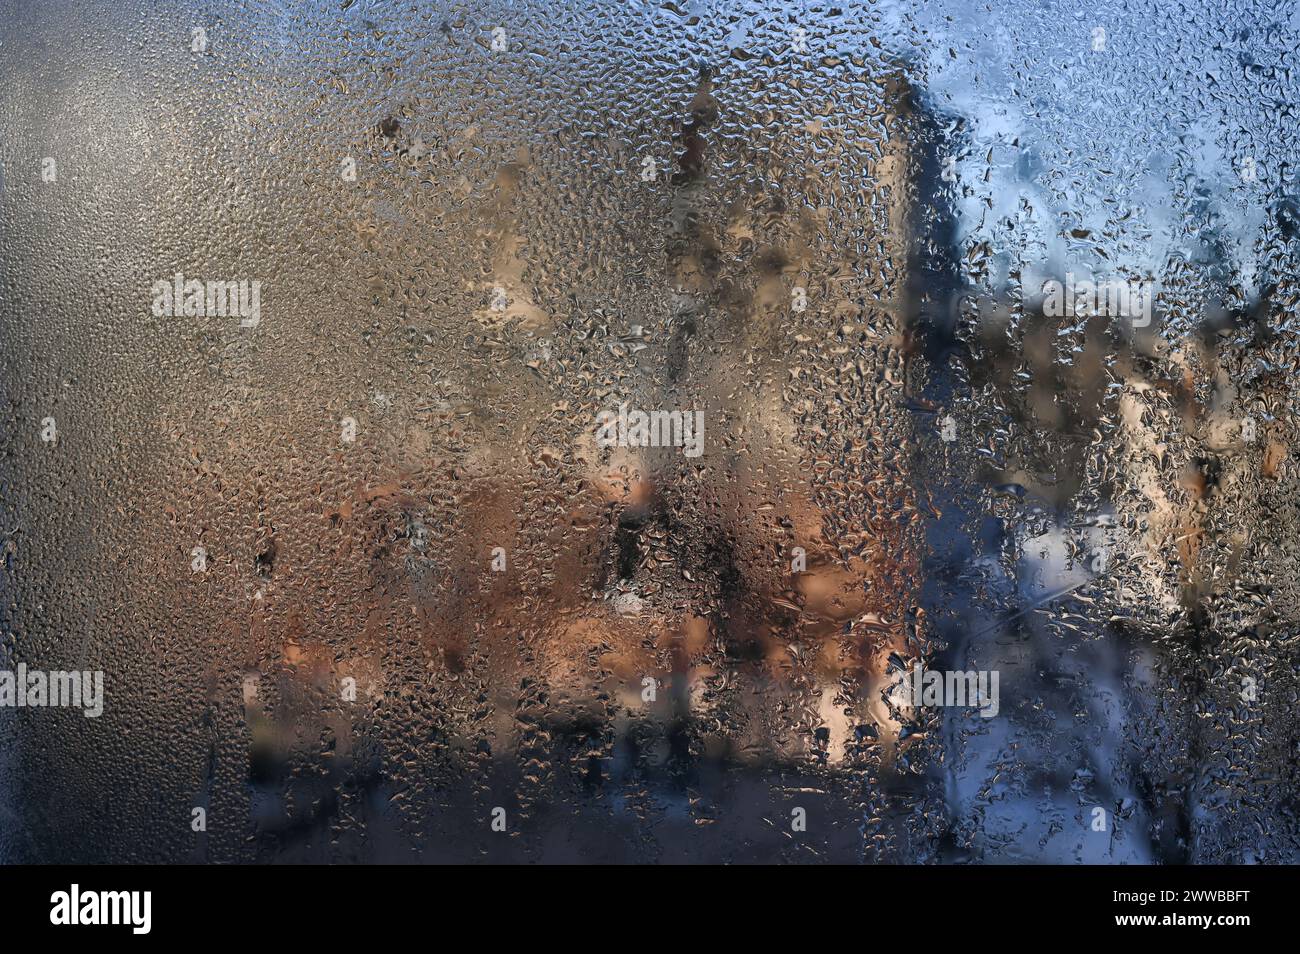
(669, 431)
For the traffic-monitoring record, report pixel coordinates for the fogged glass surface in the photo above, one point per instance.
(376, 563)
